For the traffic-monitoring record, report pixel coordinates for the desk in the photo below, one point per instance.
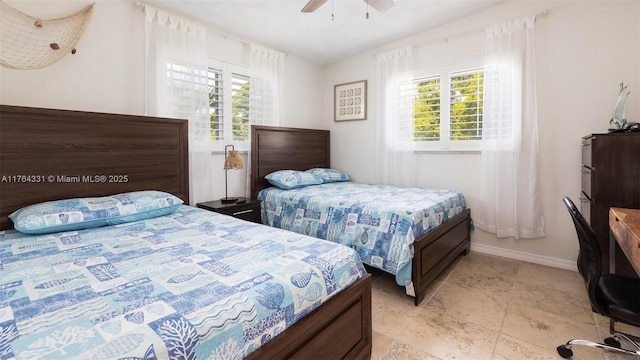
(625, 229)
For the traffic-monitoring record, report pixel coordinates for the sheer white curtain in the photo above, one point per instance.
(176, 87)
(510, 198)
(266, 68)
(395, 161)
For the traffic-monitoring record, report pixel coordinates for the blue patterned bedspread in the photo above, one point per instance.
(380, 222)
(193, 284)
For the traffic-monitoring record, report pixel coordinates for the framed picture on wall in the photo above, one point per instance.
(350, 101)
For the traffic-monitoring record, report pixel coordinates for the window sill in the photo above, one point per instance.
(447, 151)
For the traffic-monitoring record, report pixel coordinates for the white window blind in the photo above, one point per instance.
(229, 109)
(466, 95)
(426, 109)
(184, 82)
(216, 104)
(240, 106)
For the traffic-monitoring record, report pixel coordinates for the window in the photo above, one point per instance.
(453, 121)
(216, 104)
(228, 103)
(426, 109)
(466, 90)
(240, 107)
(185, 96)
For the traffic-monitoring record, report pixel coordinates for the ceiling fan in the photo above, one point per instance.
(380, 5)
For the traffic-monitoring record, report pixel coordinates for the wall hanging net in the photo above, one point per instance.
(29, 43)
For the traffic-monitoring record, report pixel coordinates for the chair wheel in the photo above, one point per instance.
(612, 342)
(564, 351)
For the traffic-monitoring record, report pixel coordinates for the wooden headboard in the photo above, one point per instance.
(48, 154)
(280, 148)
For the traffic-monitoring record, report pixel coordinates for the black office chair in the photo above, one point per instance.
(614, 296)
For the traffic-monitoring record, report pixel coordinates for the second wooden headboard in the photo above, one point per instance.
(281, 148)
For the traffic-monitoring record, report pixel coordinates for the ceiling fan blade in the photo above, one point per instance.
(380, 5)
(312, 5)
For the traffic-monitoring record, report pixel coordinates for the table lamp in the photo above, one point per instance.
(231, 161)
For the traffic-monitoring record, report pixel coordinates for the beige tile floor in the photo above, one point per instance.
(486, 307)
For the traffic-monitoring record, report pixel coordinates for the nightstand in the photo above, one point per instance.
(247, 210)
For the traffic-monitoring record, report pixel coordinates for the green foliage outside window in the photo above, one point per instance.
(465, 101)
(216, 104)
(240, 108)
(215, 116)
(466, 106)
(426, 110)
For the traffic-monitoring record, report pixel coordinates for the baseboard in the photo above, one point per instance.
(524, 256)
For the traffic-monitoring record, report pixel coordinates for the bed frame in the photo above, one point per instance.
(48, 154)
(278, 148)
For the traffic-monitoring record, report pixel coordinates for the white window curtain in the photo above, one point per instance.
(510, 197)
(265, 71)
(395, 160)
(176, 87)
(266, 68)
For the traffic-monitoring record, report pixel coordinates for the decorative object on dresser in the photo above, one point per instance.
(243, 208)
(619, 119)
(350, 101)
(610, 173)
(232, 161)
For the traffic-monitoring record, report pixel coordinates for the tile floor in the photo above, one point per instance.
(486, 307)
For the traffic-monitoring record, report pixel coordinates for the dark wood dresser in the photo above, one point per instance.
(610, 178)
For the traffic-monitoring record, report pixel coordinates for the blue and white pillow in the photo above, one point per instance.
(292, 179)
(85, 213)
(329, 175)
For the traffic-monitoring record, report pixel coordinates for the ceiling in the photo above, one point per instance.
(281, 25)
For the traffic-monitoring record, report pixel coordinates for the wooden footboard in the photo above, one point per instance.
(339, 329)
(435, 251)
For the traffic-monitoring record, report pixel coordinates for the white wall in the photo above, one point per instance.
(584, 49)
(107, 75)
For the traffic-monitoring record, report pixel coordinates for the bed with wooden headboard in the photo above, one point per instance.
(48, 154)
(281, 148)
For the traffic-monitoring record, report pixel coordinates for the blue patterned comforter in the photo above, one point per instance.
(380, 222)
(193, 284)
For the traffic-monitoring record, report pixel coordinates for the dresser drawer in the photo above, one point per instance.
(585, 207)
(587, 151)
(585, 181)
(245, 209)
(250, 212)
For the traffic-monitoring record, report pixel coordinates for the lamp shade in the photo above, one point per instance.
(233, 161)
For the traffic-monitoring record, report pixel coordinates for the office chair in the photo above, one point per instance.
(614, 296)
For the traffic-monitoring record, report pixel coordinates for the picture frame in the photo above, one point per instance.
(350, 101)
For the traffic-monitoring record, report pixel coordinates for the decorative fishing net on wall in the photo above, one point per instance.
(28, 43)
